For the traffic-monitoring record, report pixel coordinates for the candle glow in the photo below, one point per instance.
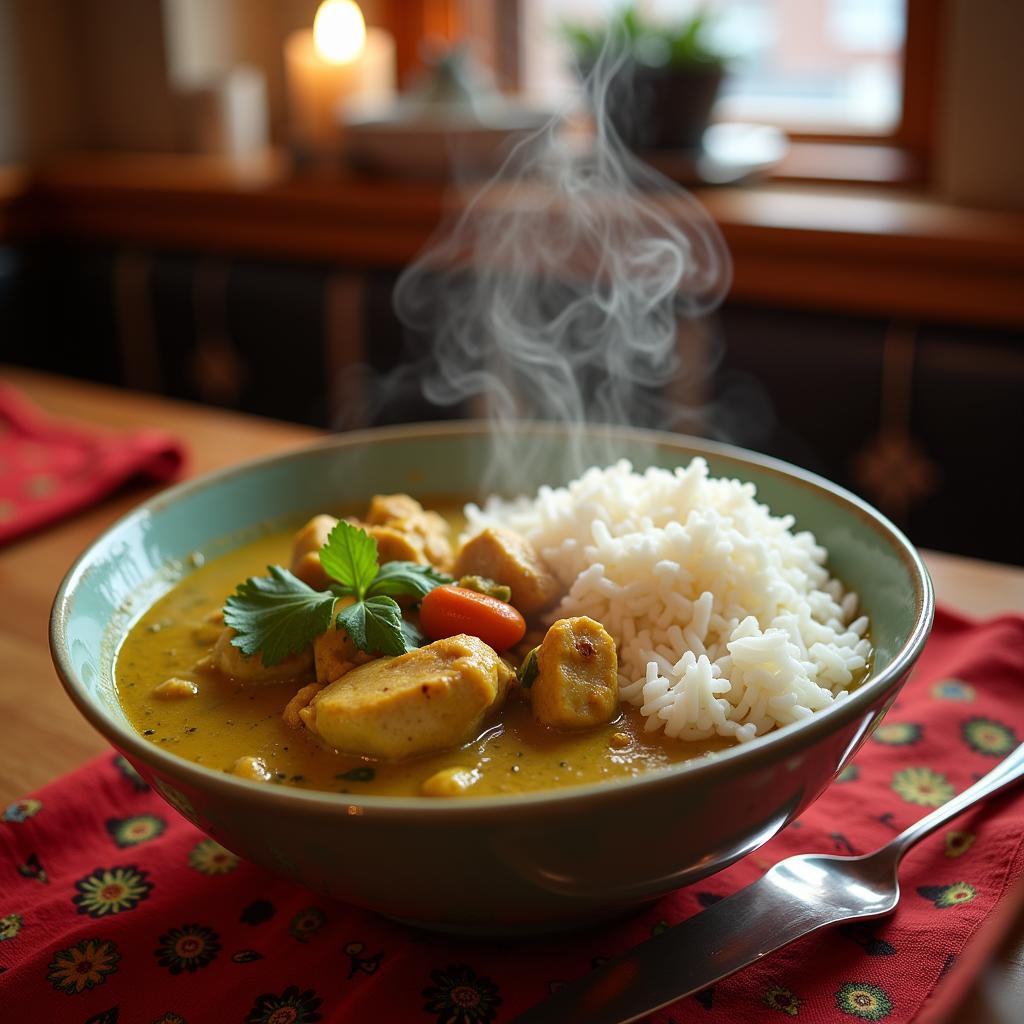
(339, 31)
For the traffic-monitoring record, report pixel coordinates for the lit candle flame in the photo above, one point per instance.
(339, 31)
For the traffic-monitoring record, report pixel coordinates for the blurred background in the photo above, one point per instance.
(213, 199)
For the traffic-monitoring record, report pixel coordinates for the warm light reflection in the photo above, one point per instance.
(339, 31)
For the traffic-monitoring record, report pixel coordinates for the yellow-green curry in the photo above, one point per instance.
(355, 698)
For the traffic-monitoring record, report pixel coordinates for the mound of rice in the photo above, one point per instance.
(727, 622)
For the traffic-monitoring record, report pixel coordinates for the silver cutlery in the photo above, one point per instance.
(797, 896)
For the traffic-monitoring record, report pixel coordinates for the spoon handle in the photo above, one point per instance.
(1006, 773)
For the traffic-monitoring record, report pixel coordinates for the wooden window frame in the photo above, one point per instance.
(902, 156)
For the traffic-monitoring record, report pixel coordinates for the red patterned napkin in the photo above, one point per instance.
(50, 469)
(112, 908)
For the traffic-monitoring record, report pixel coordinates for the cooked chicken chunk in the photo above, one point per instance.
(292, 709)
(395, 545)
(254, 768)
(428, 699)
(449, 782)
(506, 557)
(386, 508)
(175, 689)
(426, 533)
(577, 682)
(306, 551)
(232, 662)
(334, 653)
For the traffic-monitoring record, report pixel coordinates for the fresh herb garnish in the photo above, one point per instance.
(280, 615)
(528, 670)
(364, 773)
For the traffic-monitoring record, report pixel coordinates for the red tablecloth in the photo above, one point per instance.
(51, 468)
(112, 908)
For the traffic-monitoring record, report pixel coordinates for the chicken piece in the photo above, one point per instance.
(306, 551)
(577, 684)
(229, 660)
(334, 652)
(253, 768)
(429, 699)
(425, 531)
(437, 539)
(506, 557)
(302, 697)
(449, 782)
(175, 689)
(385, 508)
(396, 545)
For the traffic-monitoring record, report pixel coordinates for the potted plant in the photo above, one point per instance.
(664, 81)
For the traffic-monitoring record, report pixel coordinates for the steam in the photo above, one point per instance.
(558, 293)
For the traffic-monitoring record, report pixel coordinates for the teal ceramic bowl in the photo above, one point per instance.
(487, 864)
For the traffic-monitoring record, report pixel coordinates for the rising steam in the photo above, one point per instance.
(558, 293)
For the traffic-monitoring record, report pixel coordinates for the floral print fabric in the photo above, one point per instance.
(114, 909)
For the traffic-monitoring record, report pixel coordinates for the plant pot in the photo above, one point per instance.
(662, 108)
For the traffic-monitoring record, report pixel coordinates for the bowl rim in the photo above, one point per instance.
(781, 742)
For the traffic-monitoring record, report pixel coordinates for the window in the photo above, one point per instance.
(811, 66)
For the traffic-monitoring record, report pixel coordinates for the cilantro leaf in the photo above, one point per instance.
(374, 625)
(399, 579)
(277, 614)
(413, 637)
(350, 557)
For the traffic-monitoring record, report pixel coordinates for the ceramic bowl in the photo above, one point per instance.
(486, 864)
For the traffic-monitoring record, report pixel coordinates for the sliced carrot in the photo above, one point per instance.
(449, 611)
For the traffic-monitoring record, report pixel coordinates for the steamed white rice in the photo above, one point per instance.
(727, 622)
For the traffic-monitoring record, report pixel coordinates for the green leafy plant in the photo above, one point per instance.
(649, 43)
(279, 615)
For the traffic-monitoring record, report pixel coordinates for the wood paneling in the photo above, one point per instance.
(814, 246)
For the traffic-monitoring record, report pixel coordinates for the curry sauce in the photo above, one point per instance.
(226, 720)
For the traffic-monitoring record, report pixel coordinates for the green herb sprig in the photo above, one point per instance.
(279, 615)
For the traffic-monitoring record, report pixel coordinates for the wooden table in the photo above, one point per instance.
(43, 736)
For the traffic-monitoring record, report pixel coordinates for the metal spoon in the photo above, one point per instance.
(797, 896)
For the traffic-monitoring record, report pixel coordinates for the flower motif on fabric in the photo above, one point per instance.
(83, 966)
(10, 926)
(290, 1007)
(132, 831)
(112, 890)
(111, 1016)
(33, 868)
(782, 999)
(850, 773)
(460, 996)
(170, 1018)
(210, 858)
(22, 810)
(862, 934)
(923, 786)
(984, 736)
(953, 689)
(127, 769)
(859, 999)
(945, 896)
(958, 843)
(359, 964)
(187, 948)
(306, 923)
(897, 734)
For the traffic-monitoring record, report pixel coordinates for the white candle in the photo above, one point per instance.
(336, 62)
